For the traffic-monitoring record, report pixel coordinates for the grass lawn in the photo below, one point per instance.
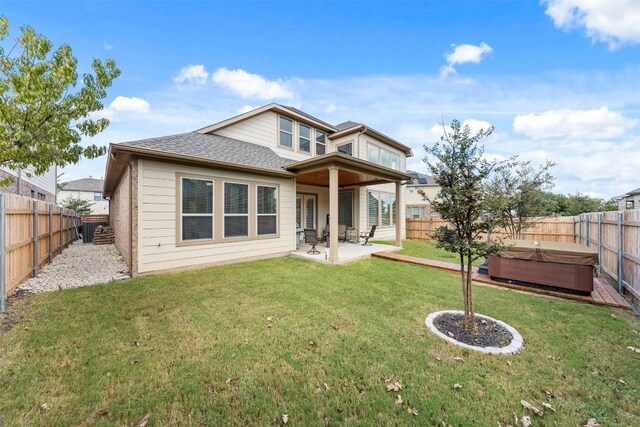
(425, 249)
(244, 344)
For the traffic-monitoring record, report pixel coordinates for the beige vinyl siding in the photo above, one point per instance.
(97, 208)
(386, 233)
(263, 130)
(415, 198)
(158, 221)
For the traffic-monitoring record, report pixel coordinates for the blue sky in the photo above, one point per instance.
(558, 78)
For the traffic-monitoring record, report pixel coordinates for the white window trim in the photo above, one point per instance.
(225, 215)
(391, 210)
(212, 214)
(277, 214)
(379, 157)
(293, 125)
(343, 144)
(302, 137)
(316, 143)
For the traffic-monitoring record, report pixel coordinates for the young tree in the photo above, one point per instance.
(44, 113)
(516, 195)
(461, 171)
(77, 204)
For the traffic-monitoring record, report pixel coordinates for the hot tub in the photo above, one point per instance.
(560, 265)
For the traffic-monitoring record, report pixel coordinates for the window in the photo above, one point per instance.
(374, 153)
(411, 190)
(629, 204)
(345, 208)
(286, 132)
(385, 158)
(97, 197)
(345, 149)
(304, 138)
(416, 212)
(374, 206)
(395, 162)
(197, 209)
(321, 147)
(236, 210)
(267, 210)
(381, 209)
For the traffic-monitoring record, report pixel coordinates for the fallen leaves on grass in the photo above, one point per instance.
(622, 381)
(529, 406)
(143, 422)
(111, 393)
(548, 406)
(44, 406)
(457, 386)
(399, 400)
(635, 350)
(591, 422)
(285, 418)
(413, 411)
(92, 418)
(525, 420)
(228, 380)
(458, 358)
(396, 386)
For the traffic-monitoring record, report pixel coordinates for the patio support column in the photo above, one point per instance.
(333, 214)
(398, 211)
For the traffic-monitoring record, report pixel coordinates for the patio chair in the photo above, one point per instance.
(311, 238)
(342, 233)
(366, 235)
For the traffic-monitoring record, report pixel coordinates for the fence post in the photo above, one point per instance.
(620, 252)
(35, 239)
(588, 230)
(574, 229)
(50, 232)
(61, 222)
(580, 228)
(599, 242)
(3, 255)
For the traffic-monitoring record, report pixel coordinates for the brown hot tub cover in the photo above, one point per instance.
(561, 253)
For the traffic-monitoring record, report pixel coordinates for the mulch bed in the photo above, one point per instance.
(487, 334)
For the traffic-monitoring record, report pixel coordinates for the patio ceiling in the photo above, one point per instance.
(351, 171)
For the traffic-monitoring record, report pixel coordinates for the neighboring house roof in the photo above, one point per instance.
(214, 147)
(418, 178)
(84, 184)
(635, 192)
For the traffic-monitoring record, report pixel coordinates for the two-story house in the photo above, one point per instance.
(239, 189)
(26, 183)
(89, 189)
(419, 187)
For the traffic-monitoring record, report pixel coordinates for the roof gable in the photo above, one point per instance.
(83, 184)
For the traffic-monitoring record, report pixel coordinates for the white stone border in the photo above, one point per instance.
(514, 347)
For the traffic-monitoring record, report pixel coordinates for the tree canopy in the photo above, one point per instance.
(77, 204)
(44, 111)
(460, 169)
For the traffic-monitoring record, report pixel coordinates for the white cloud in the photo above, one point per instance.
(463, 54)
(107, 46)
(573, 124)
(609, 21)
(194, 74)
(249, 85)
(126, 104)
(417, 135)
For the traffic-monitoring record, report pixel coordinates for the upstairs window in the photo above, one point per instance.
(321, 147)
(304, 138)
(236, 210)
(286, 132)
(383, 157)
(97, 196)
(374, 153)
(197, 209)
(345, 149)
(395, 162)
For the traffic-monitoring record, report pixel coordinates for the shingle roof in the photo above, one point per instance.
(347, 125)
(307, 115)
(215, 147)
(84, 184)
(417, 177)
(634, 192)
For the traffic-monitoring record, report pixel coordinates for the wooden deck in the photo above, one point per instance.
(603, 293)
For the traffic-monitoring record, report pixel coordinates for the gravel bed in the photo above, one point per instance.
(488, 333)
(81, 264)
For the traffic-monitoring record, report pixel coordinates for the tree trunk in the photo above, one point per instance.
(465, 298)
(472, 315)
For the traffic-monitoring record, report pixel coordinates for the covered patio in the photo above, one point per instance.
(347, 252)
(337, 171)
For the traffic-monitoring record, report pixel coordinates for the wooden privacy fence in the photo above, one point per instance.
(615, 235)
(32, 233)
(556, 229)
